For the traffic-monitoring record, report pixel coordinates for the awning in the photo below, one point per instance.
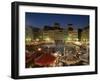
(45, 60)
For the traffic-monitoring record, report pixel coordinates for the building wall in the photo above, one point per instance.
(29, 36)
(85, 35)
(72, 35)
(65, 35)
(53, 35)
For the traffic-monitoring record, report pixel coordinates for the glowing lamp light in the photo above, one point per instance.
(78, 43)
(55, 54)
(37, 39)
(39, 49)
(28, 39)
(69, 39)
(76, 39)
(47, 39)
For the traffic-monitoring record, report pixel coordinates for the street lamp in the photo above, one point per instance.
(37, 39)
(47, 39)
(28, 39)
(39, 49)
(69, 39)
(78, 43)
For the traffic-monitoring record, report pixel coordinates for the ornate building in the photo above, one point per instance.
(29, 36)
(72, 33)
(85, 34)
(54, 34)
(32, 34)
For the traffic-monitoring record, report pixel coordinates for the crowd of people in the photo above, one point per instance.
(57, 55)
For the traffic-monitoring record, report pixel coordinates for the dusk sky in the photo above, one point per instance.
(42, 19)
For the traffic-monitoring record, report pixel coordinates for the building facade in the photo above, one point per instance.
(72, 34)
(85, 35)
(55, 33)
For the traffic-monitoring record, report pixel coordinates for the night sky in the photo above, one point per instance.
(42, 19)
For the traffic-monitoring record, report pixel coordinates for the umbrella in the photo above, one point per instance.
(45, 60)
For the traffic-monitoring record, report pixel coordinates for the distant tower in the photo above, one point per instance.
(70, 27)
(72, 33)
(56, 25)
(79, 34)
